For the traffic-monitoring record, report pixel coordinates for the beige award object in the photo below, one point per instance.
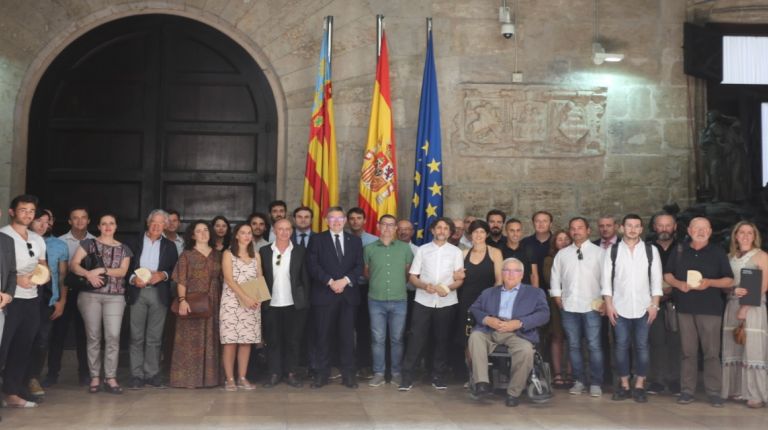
(40, 275)
(256, 289)
(143, 273)
(597, 304)
(442, 288)
(694, 279)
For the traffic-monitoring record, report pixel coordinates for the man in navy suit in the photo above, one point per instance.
(508, 314)
(302, 222)
(149, 301)
(335, 262)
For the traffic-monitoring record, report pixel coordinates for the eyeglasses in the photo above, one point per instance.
(29, 248)
(579, 254)
(511, 271)
(387, 225)
(335, 219)
(279, 257)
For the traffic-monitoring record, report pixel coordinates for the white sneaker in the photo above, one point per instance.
(577, 388)
(595, 391)
(377, 380)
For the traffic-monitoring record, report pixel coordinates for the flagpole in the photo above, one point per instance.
(329, 26)
(429, 28)
(379, 29)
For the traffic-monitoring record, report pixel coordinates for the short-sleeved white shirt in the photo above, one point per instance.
(435, 265)
(26, 263)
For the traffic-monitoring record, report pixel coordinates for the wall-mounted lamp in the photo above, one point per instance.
(599, 56)
(505, 18)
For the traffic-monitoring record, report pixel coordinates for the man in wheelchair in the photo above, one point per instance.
(508, 314)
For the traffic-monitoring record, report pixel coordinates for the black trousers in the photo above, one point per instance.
(283, 335)
(41, 342)
(335, 321)
(22, 320)
(363, 331)
(441, 323)
(58, 335)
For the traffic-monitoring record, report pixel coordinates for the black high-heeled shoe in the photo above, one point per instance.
(112, 390)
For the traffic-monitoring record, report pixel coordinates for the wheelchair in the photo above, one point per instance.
(539, 389)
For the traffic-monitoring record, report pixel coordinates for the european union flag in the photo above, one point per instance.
(427, 202)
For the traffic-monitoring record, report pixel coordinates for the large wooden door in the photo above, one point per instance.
(153, 111)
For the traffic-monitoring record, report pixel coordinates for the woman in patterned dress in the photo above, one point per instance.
(104, 305)
(195, 361)
(240, 325)
(744, 366)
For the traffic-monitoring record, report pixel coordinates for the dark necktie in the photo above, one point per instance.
(339, 254)
(303, 239)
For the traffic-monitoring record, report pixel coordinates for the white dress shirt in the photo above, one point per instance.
(281, 278)
(577, 281)
(632, 290)
(73, 243)
(435, 265)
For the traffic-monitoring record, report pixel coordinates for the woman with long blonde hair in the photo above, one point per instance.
(744, 366)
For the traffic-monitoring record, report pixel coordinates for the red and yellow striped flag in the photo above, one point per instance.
(321, 182)
(378, 176)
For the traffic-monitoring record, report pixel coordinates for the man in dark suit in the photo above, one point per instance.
(149, 300)
(508, 314)
(7, 279)
(302, 221)
(285, 314)
(335, 263)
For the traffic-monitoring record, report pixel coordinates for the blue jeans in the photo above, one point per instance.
(576, 325)
(387, 313)
(635, 331)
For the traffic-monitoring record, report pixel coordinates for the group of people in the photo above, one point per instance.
(338, 296)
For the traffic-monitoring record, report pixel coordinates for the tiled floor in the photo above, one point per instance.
(70, 407)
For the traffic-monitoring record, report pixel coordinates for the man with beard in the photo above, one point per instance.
(663, 341)
(302, 222)
(258, 223)
(495, 219)
(278, 209)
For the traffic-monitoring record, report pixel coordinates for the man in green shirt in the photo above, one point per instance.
(387, 261)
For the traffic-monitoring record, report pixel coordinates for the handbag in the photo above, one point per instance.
(740, 334)
(199, 306)
(91, 261)
(670, 320)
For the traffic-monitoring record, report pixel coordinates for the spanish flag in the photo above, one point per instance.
(321, 182)
(378, 176)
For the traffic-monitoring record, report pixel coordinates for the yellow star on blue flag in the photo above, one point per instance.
(427, 202)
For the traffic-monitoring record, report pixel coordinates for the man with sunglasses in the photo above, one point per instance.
(509, 314)
(23, 313)
(285, 314)
(387, 261)
(575, 286)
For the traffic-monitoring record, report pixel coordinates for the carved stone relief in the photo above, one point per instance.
(529, 121)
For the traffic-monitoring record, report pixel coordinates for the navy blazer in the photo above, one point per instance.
(530, 307)
(168, 257)
(7, 265)
(323, 266)
(298, 274)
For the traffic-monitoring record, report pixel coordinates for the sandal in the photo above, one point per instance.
(229, 385)
(243, 384)
(93, 389)
(755, 404)
(558, 381)
(116, 389)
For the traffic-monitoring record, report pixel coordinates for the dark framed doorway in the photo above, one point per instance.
(153, 111)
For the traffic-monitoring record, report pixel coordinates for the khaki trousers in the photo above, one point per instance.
(707, 330)
(481, 344)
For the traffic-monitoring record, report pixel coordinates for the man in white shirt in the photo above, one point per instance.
(575, 286)
(631, 287)
(23, 313)
(78, 223)
(432, 273)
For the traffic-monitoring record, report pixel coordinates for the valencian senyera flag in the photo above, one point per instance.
(321, 182)
(378, 176)
(427, 200)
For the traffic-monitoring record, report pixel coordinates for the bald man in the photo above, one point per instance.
(699, 308)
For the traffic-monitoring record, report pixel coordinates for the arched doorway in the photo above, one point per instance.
(153, 111)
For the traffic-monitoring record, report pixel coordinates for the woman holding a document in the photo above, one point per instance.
(745, 357)
(240, 314)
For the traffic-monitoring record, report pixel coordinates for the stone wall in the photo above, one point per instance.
(573, 137)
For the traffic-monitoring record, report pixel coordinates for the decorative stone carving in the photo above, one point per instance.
(529, 121)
